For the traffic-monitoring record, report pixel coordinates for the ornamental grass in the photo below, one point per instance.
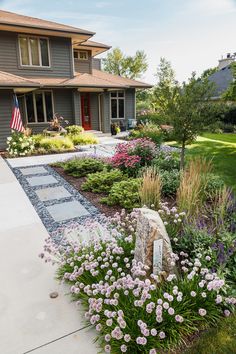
(150, 189)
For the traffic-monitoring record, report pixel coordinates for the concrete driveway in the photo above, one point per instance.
(30, 321)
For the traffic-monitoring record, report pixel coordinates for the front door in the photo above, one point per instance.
(85, 111)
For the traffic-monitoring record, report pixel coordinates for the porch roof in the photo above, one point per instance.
(10, 80)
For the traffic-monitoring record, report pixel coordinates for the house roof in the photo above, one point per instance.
(119, 80)
(222, 79)
(98, 79)
(95, 47)
(10, 80)
(13, 19)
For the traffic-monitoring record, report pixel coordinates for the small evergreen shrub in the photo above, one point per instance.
(213, 184)
(80, 167)
(74, 129)
(124, 194)
(100, 182)
(170, 181)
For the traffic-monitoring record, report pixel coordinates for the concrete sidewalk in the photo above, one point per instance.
(29, 318)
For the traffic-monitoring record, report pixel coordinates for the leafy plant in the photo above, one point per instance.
(124, 194)
(150, 131)
(167, 160)
(213, 184)
(130, 157)
(52, 144)
(84, 139)
(74, 129)
(150, 189)
(100, 182)
(170, 181)
(80, 167)
(20, 144)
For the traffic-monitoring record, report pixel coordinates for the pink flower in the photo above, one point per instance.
(107, 348)
(123, 348)
(162, 335)
(153, 332)
(226, 313)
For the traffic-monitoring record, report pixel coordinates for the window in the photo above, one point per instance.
(39, 106)
(34, 51)
(117, 105)
(81, 55)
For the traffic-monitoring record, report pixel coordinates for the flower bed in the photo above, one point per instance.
(131, 311)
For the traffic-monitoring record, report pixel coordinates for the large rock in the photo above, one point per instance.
(150, 228)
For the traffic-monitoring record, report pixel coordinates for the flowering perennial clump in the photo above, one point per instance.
(134, 154)
(134, 313)
(19, 144)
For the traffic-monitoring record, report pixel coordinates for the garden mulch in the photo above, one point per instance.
(94, 198)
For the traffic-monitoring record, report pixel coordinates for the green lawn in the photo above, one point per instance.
(222, 153)
(219, 340)
(228, 138)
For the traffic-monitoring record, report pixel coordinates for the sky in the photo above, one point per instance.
(191, 34)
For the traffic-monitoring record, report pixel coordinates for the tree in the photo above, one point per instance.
(190, 111)
(164, 91)
(132, 67)
(206, 73)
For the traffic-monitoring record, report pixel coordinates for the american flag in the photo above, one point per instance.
(16, 121)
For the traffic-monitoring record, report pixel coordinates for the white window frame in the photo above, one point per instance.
(30, 65)
(35, 107)
(117, 98)
(81, 51)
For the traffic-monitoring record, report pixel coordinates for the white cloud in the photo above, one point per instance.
(210, 7)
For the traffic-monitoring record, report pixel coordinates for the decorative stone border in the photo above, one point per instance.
(40, 206)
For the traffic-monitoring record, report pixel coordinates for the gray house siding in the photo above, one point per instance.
(94, 111)
(130, 104)
(83, 66)
(96, 63)
(5, 116)
(60, 54)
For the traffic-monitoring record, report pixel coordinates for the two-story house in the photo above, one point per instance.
(52, 68)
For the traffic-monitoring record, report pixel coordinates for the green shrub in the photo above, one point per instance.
(154, 118)
(80, 167)
(74, 129)
(102, 181)
(84, 139)
(170, 181)
(124, 194)
(52, 144)
(150, 131)
(167, 161)
(20, 144)
(213, 184)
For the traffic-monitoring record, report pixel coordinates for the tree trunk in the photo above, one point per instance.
(182, 155)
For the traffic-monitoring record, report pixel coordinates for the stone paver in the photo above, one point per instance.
(67, 210)
(29, 318)
(52, 193)
(33, 170)
(41, 180)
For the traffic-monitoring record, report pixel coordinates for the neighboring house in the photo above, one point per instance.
(52, 69)
(223, 77)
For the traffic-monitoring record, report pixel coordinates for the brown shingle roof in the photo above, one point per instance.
(10, 80)
(89, 43)
(120, 80)
(11, 18)
(89, 80)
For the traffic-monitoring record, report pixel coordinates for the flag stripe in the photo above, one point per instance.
(16, 121)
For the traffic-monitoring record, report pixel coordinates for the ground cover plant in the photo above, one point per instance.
(101, 182)
(131, 311)
(82, 166)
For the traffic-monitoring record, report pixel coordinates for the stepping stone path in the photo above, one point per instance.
(55, 200)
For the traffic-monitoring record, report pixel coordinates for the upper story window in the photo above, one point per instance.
(118, 105)
(34, 51)
(81, 54)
